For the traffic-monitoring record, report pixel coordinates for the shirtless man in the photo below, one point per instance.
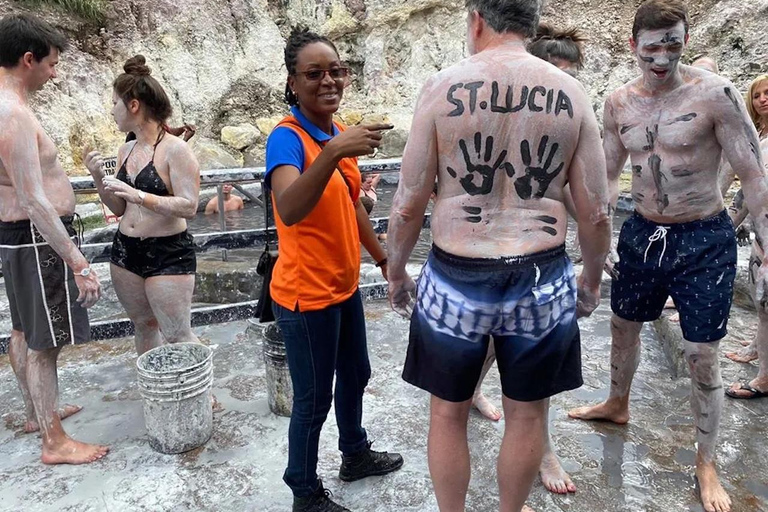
(674, 122)
(502, 131)
(42, 265)
(231, 203)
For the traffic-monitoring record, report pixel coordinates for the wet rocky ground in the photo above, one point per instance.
(645, 466)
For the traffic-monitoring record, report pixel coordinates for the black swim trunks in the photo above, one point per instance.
(528, 305)
(41, 288)
(694, 262)
(156, 256)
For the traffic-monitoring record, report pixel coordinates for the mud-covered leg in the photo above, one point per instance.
(625, 357)
(707, 405)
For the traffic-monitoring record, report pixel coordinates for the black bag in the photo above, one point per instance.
(264, 268)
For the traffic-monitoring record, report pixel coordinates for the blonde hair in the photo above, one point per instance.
(751, 109)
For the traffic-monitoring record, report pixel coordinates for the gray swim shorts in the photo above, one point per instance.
(41, 289)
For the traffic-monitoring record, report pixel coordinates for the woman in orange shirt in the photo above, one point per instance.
(315, 182)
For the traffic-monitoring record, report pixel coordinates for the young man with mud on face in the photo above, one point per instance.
(48, 280)
(674, 122)
(502, 131)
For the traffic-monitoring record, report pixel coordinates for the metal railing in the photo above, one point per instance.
(224, 239)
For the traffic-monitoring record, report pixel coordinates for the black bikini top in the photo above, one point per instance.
(148, 180)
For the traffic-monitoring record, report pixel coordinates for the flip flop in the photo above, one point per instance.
(746, 387)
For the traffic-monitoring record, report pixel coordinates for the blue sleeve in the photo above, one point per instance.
(284, 147)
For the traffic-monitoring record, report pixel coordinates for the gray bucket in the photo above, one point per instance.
(279, 386)
(175, 382)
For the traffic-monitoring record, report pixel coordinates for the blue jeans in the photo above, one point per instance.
(319, 344)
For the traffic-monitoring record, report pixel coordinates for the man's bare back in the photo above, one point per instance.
(507, 126)
(673, 145)
(54, 180)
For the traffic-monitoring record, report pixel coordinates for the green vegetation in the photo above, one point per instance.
(93, 222)
(92, 10)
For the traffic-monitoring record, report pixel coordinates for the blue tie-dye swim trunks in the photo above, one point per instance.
(527, 303)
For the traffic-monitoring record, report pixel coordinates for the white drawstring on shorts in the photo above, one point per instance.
(659, 234)
(538, 275)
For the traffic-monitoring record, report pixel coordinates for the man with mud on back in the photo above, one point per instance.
(502, 131)
(674, 122)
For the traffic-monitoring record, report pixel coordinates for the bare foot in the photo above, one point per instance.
(713, 496)
(605, 411)
(485, 407)
(64, 412)
(554, 478)
(675, 319)
(526, 508)
(743, 355)
(70, 451)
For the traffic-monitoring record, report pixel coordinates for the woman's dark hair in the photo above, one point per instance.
(137, 84)
(22, 33)
(565, 44)
(299, 38)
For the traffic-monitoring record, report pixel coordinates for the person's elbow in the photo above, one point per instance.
(189, 211)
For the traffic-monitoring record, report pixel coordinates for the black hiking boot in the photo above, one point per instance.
(320, 501)
(368, 463)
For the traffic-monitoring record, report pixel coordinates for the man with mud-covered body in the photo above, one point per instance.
(674, 122)
(502, 131)
(48, 280)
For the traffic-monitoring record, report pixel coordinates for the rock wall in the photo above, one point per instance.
(222, 60)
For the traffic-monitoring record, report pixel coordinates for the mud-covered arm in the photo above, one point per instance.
(741, 147)
(615, 153)
(185, 181)
(114, 203)
(417, 179)
(738, 210)
(594, 204)
(21, 159)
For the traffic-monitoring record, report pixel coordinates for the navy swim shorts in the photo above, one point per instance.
(694, 262)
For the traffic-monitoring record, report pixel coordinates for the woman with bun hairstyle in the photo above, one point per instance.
(562, 48)
(315, 182)
(155, 191)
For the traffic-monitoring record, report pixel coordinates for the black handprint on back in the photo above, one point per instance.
(486, 171)
(541, 174)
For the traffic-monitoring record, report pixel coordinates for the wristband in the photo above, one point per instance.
(381, 263)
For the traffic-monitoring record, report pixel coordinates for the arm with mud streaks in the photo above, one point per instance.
(615, 153)
(20, 156)
(588, 182)
(741, 146)
(417, 179)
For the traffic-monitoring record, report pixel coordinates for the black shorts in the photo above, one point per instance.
(41, 288)
(528, 305)
(694, 262)
(156, 256)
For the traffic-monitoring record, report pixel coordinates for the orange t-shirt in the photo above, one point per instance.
(319, 257)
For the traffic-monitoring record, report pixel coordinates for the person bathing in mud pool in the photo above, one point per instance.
(154, 191)
(564, 49)
(674, 122)
(315, 182)
(231, 201)
(48, 280)
(757, 100)
(503, 132)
